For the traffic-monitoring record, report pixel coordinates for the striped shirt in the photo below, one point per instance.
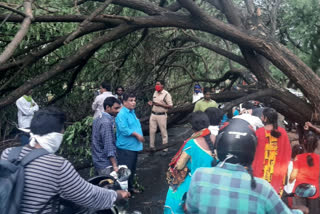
(51, 175)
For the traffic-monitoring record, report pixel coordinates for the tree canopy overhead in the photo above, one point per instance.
(57, 47)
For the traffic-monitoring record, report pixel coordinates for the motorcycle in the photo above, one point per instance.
(303, 190)
(114, 181)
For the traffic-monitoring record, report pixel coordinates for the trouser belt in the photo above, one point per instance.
(158, 113)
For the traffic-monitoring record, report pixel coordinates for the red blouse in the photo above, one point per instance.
(307, 174)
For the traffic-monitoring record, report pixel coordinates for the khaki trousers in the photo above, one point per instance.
(154, 122)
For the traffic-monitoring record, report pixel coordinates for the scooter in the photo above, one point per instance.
(303, 190)
(114, 181)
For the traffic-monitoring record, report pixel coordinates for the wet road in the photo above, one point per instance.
(151, 172)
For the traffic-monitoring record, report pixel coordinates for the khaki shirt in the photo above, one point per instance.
(162, 97)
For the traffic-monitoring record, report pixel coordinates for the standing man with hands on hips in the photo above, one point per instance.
(160, 103)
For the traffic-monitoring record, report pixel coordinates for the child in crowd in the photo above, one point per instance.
(306, 170)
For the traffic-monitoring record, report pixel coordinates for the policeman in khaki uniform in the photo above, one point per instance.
(160, 103)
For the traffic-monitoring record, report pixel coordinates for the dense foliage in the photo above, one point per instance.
(142, 56)
(130, 61)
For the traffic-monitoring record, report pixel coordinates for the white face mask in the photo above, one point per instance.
(50, 142)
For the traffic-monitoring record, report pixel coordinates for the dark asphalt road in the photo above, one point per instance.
(151, 172)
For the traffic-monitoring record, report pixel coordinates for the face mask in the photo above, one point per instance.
(50, 142)
(158, 88)
(197, 91)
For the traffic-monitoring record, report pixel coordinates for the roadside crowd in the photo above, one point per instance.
(234, 162)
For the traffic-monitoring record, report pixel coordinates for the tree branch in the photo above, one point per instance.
(294, 103)
(30, 47)
(231, 33)
(72, 80)
(220, 51)
(228, 49)
(12, 78)
(65, 18)
(35, 56)
(87, 21)
(13, 10)
(233, 80)
(294, 43)
(215, 3)
(68, 63)
(141, 5)
(174, 7)
(280, 56)
(231, 74)
(125, 57)
(183, 68)
(183, 48)
(250, 6)
(7, 53)
(45, 9)
(231, 12)
(274, 16)
(257, 64)
(205, 64)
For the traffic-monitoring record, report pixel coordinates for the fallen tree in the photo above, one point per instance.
(241, 24)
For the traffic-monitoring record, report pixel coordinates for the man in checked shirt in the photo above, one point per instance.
(103, 138)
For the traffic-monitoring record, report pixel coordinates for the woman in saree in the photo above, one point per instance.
(273, 151)
(197, 152)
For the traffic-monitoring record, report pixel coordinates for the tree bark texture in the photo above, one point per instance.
(257, 49)
(9, 50)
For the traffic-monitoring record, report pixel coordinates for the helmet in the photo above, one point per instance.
(237, 138)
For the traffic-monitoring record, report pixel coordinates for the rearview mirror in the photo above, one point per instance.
(305, 190)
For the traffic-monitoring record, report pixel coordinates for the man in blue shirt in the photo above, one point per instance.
(129, 136)
(104, 153)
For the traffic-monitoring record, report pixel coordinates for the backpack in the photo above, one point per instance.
(174, 176)
(12, 179)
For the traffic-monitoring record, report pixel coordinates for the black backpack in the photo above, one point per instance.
(12, 179)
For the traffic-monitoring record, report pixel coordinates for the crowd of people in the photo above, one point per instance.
(238, 161)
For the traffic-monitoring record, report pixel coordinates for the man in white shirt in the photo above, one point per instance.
(197, 94)
(246, 114)
(97, 105)
(26, 108)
